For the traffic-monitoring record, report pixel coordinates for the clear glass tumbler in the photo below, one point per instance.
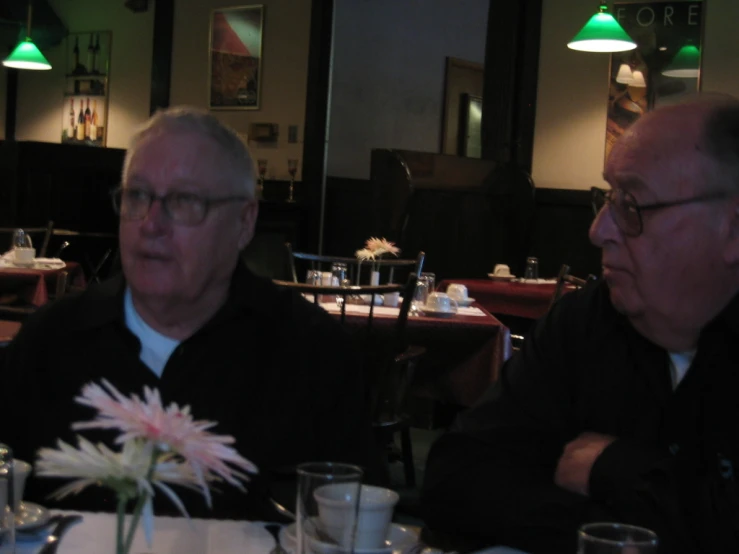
(615, 538)
(532, 268)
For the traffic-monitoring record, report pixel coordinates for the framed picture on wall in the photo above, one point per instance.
(235, 58)
(664, 67)
(85, 105)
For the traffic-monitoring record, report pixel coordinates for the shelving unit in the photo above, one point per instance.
(86, 91)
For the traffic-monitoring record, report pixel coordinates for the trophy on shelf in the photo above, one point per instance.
(262, 167)
(292, 169)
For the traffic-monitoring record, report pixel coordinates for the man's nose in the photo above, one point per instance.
(156, 218)
(603, 228)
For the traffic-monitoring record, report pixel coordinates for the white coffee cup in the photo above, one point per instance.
(24, 255)
(457, 291)
(376, 505)
(502, 270)
(441, 302)
(391, 299)
(21, 471)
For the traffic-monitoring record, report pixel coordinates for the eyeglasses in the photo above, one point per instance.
(627, 213)
(184, 208)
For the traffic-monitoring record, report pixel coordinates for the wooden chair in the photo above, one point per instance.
(357, 271)
(95, 252)
(563, 279)
(388, 360)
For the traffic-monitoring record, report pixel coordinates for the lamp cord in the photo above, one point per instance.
(30, 12)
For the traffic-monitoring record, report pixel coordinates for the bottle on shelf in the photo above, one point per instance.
(90, 55)
(81, 122)
(71, 129)
(96, 54)
(88, 118)
(94, 121)
(76, 53)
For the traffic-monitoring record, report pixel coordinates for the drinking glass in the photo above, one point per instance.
(423, 289)
(292, 169)
(313, 277)
(320, 524)
(21, 239)
(262, 168)
(615, 538)
(7, 517)
(532, 269)
(431, 277)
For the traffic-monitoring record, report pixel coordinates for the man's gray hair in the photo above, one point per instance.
(186, 119)
(721, 139)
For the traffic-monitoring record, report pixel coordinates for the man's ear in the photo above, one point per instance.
(248, 223)
(731, 246)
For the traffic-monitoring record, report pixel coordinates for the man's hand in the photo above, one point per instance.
(573, 468)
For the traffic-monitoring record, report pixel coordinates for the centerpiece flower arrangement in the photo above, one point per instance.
(159, 447)
(373, 250)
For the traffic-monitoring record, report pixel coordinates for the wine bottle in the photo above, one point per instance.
(94, 121)
(95, 54)
(76, 53)
(90, 55)
(81, 122)
(88, 117)
(70, 129)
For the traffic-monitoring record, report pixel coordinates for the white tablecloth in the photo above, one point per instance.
(172, 535)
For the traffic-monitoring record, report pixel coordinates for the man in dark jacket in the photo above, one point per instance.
(622, 404)
(274, 371)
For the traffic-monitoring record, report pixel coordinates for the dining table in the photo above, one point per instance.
(32, 285)
(524, 298)
(96, 533)
(464, 351)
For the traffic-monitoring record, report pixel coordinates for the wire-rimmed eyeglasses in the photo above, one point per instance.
(627, 213)
(184, 208)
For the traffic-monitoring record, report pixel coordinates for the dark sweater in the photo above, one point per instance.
(276, 372)
(584, 368)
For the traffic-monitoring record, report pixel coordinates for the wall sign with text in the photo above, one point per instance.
(665, 65)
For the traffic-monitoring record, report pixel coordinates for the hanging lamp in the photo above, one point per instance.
(625, 74)
(27, 55)
(686, 63)
(602, 33)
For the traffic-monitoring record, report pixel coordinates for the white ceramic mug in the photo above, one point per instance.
(376, 505)
(457, 291)
(441, 302)
(24, 255)
(21, 471)
(502, 270)
(391, 299)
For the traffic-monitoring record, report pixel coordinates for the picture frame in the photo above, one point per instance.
(660, 28)
(235, 58)
(470, 126)
(86, 91)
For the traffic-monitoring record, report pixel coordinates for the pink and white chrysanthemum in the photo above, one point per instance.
(169, 428)
(126, 472)
(381, 246)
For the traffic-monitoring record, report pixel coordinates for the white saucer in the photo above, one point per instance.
(398, 539)
(466, 302)
(434, 313)
(495, 277)
(30, 516)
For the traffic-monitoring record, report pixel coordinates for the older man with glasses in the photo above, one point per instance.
(621, 405)
(188, 318)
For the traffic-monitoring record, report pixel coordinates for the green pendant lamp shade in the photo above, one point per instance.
(27, 56)
(602, 33)
(686, 63)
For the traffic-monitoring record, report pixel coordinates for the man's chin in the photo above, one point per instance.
(624, 302)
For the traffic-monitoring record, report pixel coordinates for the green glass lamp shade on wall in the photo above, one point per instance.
(602, 33)
(27, 56)
(686, 63)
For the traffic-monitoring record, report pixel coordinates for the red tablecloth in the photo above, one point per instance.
(463, 358)
(33, 285)
(508, 297)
